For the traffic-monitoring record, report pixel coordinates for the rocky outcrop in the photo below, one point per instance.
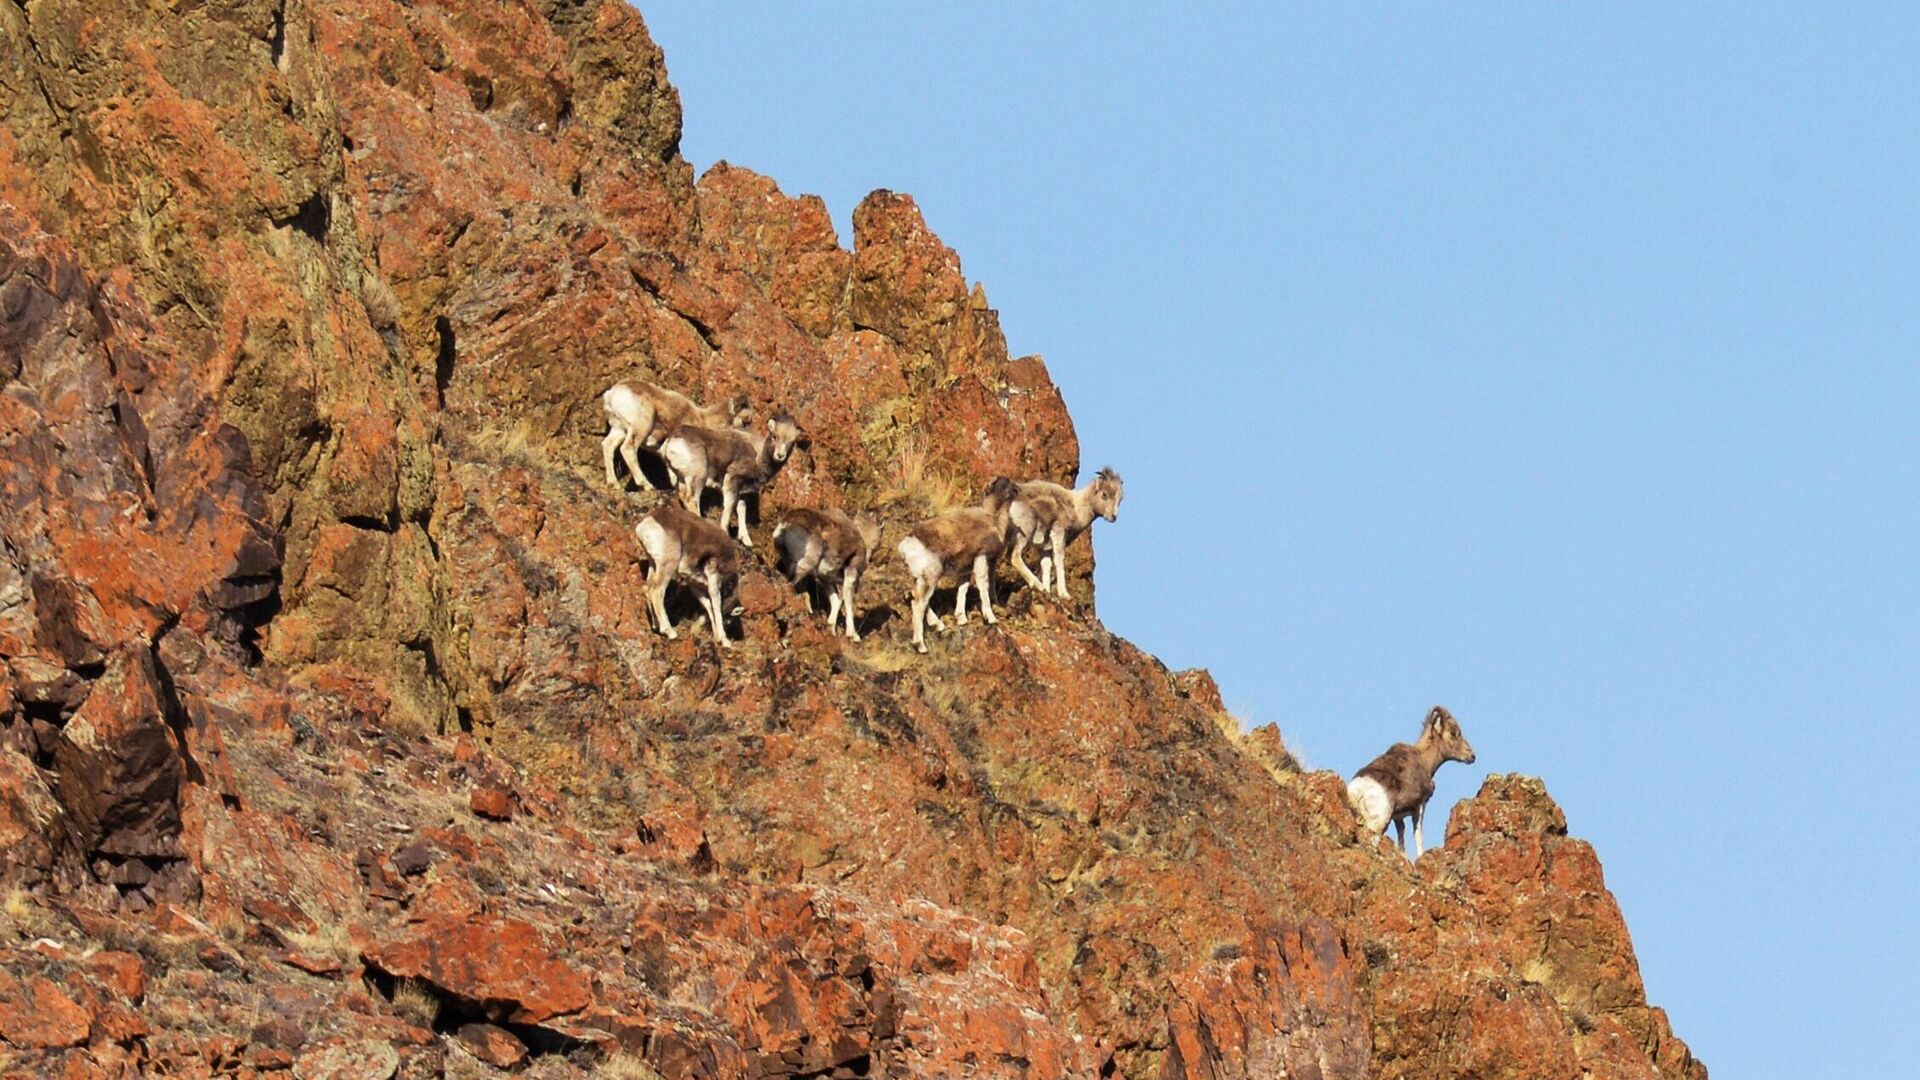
(333, 737)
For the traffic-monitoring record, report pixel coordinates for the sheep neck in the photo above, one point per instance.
(1430, 753)
(1082, 508)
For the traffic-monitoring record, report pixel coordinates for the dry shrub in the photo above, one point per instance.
(919, 476)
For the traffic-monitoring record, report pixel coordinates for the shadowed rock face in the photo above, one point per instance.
(333, 736)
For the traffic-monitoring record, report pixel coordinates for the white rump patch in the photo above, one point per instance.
(621, 403)
(1370, 803)
(653, 538)
(678, 455)
(920, 562)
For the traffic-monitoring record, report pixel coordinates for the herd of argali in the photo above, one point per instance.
(722, 449)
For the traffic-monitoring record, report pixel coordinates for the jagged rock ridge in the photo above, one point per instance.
(332, 735)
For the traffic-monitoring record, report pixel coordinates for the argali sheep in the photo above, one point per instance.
(642, 414)
(738, 461)
(1049, 516)
(955, 541)
(687, 547)
(1396, 785)
(833, 548)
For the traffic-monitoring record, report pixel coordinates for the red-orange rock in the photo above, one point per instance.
(269, 1058)
(35, 835)
(1280, 1004)
(118, 764)
(311, 963)
(120, 1023)
(124, 972)
(36, 1013)
(677, 835)
(492, 802)
(503, 962)
(494, 1045)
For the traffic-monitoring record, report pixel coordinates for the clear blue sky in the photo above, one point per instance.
(1560, 367)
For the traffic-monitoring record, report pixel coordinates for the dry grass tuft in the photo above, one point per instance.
(943, 695)
(880, 653)
(515, 445)
(22, 914)
(1538, 970)
(230, 924)
(918, 476)
(18, 906)
(328, 939)
(624, 1066)
(416, 1001)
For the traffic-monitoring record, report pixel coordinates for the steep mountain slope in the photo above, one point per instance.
(333, 736)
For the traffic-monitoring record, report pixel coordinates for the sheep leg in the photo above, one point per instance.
(983, 584)
(929, 581)
(960, 603)
(646, 598)
(657, 597)
(728, 493)
(1020, 563)
(714, 608)
(1400, 834)
(610, 446)
(920, 614)
(1060, 563)
(807, 561)
(846, 589)
(1046, 571)
(740, 509)
(630, 452)
(1419, 830)
(833, 611)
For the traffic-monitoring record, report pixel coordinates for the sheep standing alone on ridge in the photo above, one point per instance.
(1396, 785)
(954, 541)
(642, 414)
(687, 546)
(738, 461)
(833, 548)
(1049, 516)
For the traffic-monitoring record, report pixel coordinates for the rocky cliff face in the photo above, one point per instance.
(333, 738)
